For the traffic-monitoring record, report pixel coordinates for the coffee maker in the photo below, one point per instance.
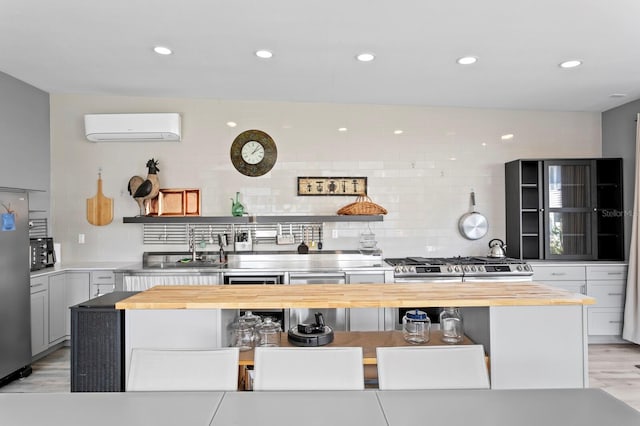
(41, 253)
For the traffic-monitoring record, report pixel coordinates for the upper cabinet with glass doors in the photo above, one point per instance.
(568, 209)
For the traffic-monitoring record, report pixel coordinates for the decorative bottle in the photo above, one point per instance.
(451, 325)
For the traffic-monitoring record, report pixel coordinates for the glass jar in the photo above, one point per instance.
(243, 335)
(416, 327)
(268, 332)
(250, 318)
(451, 325)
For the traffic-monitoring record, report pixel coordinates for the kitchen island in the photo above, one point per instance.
(534, 335)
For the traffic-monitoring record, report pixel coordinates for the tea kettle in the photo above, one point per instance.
(497, 248)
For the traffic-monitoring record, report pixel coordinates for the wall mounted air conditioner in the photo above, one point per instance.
(132, 127)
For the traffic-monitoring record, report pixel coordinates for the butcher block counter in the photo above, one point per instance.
(352, 296)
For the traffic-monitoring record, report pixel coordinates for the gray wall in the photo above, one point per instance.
(25, 141)
(619, 140)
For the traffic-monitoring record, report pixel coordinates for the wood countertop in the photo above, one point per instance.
(352, 296)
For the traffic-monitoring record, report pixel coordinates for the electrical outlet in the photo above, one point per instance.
(80, 238)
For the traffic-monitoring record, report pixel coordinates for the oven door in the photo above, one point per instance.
(280, 315)
(393, 316)
(253, 279)
(336, 318)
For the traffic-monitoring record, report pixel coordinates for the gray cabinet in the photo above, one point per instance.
(51, 297)
(604, 282)
(102, 282)
(57, 308)
(565, 209)
(39, 314)
(607, 285)
(568, 277)
(77, 291)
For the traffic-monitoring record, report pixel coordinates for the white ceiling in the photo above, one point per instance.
(105, 47)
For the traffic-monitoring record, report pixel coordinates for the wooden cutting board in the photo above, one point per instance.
(99, 208)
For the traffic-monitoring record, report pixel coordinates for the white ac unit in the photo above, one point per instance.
(132, 127)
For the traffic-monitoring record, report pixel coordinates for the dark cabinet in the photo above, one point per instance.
(97, 344)
(564, 209)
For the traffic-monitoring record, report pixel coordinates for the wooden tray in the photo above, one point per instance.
(176, 202)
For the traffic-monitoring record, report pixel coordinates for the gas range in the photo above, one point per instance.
(457, 269)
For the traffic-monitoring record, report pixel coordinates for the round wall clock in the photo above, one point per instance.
(253, 153)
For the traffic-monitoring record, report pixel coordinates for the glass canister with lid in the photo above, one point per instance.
(243, 335)
(416, 327)
(451, 325)
(244, 331)
(250, 318)
(268, 332)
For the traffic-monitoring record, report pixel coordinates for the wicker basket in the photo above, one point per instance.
(362, 206)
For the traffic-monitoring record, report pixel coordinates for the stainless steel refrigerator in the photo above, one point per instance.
(15, 308)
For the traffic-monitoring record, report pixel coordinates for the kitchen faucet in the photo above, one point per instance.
(192, 244)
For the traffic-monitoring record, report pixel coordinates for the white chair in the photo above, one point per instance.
(432, 367)
(308, 368)
(183, 370)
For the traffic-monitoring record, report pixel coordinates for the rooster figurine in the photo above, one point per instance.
(143, 190)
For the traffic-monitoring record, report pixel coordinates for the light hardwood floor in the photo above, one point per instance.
(613, 368)
(616, 369)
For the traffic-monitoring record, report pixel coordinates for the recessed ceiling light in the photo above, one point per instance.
(342, 129)
(161, 50)
(398, 132)
(570, 64)
(618, 95)
(264, 54)
(483, 144)
(232, 123)
(452, 158)
(365, 57)
(507, 137)
(467, 60)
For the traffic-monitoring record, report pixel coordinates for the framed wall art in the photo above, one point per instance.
(321, 185)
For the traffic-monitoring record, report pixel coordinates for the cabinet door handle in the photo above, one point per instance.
(37, 285)
(614, 294)
(558, 274)
(615, 322)
(614, 273)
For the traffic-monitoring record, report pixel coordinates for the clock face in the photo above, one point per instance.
(253, 153)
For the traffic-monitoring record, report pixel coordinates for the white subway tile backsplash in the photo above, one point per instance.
(410, 175)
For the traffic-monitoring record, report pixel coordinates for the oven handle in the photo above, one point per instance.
(519, 278)
(429, 280)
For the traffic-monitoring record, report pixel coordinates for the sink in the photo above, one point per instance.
(188, 263)
(180, 260)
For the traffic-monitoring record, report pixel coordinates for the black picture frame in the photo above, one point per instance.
(331, 186)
